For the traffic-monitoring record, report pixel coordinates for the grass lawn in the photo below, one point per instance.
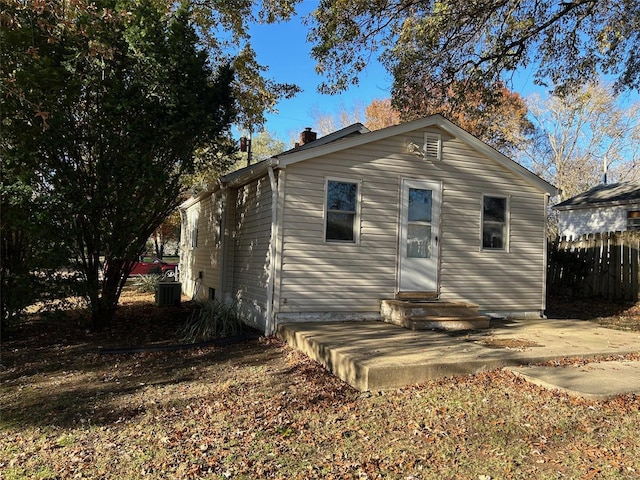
(261, 410)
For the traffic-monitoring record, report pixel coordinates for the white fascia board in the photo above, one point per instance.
(247, 174)
(233, 179)
(499, 158)
(193, 200)
(332, 137)
(354, 141)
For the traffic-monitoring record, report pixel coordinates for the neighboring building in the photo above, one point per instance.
(605, 208)
(328, 230)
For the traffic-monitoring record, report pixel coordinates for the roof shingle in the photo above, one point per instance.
(602, 195)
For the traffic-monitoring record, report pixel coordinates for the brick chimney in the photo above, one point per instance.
(307, 136)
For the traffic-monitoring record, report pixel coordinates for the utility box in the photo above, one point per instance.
(168, 293)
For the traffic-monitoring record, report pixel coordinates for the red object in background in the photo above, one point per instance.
(145, 268)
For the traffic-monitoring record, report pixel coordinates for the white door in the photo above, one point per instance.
(419, 236)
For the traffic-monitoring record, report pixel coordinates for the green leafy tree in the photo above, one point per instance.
(224, 27)
(32, 265)
(478, 44)
(106, 103)
(265, 145)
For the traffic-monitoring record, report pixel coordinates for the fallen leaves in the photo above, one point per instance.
(261, 410)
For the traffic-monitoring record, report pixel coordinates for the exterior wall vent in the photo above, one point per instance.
(432, 146)
(168, 294)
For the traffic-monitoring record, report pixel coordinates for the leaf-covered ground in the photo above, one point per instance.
(260, 410)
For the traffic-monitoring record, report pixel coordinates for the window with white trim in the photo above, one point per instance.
(341, 211)
(495, 222)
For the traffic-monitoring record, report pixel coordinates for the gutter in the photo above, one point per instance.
(604, 203)
(247, 174)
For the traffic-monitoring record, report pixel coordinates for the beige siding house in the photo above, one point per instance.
(328, 230)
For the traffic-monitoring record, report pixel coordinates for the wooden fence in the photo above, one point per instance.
(601, 265)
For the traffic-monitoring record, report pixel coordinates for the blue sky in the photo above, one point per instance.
(284, 49)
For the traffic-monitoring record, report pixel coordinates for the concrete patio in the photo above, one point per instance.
(376, 356)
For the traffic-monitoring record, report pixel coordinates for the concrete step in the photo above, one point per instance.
(420, 314)
(444, 323)
(421, 308)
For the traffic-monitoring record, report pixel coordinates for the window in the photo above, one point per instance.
(193, 230)
(494, 223)
(341, 211)
(419, 213)
(194, 237)
(633, 220)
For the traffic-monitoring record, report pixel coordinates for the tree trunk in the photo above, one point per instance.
(104, 304)
(101, 317)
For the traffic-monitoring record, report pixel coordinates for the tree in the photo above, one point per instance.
(378, 114)
(31, 264)
(326, 123)
(503, 124)
(580, 136)
(265, 145)
(478, 43)
(106, 103)
(167, 231)
(224, 27)
(256, 94)
(497, 116)
(381, 114)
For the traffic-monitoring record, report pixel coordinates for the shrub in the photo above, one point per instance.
(212, 319)
(147, 283)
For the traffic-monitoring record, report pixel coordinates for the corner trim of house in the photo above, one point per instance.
(270, 323)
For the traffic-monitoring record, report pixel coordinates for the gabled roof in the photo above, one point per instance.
(603, 195)
(356, 135)
(260, 168)
(252, 171)
(350, 131)
(432, 121)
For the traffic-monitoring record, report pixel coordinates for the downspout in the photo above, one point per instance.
(270, 321)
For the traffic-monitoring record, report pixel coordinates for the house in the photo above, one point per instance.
(605, 208)
(328, 230)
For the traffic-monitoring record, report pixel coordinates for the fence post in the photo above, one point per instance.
(625, 266)
(635, 266)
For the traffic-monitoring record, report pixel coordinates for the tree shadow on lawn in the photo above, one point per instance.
(584, 308)
(52, 372)
(618, 315)
(104, 389)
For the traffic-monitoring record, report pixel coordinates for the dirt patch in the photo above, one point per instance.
(510, 343)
